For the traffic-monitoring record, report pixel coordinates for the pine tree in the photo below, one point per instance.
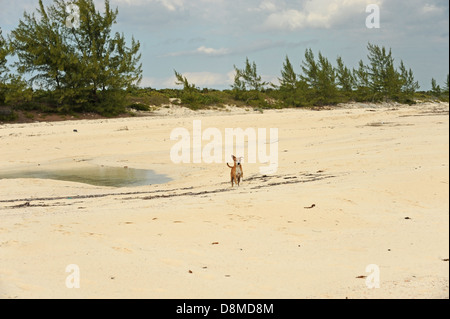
(435, 88)
(182, 80)
(409, 85)
(344, 77)
(362, 82)
(40, 49)
(238, 85)
(248, 78)
(320, 77)
(288, 80)
(385, 81)
(310, 70)
(3, 68)
(85, 65)
(446, 91)
(327, 87)
(3, 53)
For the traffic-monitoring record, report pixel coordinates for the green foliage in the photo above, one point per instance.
(446, 91)
(16, 91)
(139, 107)
(248, 78)
(293, 89)
(362, 82)
(344, 77)
(3, 54)
(196, 100)
(310, 70)
(3, 69)
(326, 86)
(248, 86)
(385, 81)
(143, 99)
(435, 88)
(191, 95)
(7, 114)
(86, 67)
(320, 79)
(409, 85)
(288, 80)
(182, 80)
(439, 93)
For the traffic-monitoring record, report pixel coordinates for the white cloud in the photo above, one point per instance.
(200, 51)
(429, 8)
(170, 5)
(201, 79)
(266, 5)
(251, 47)
(212, 51)
(287, 19)
(317, 14)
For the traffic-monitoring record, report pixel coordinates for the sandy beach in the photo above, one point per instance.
(356, 185)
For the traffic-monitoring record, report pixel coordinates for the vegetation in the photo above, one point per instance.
(86, 68)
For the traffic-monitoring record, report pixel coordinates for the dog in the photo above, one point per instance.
(236, 171)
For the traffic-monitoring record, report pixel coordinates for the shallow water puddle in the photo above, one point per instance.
(93, 175)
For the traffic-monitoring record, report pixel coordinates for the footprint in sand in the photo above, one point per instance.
(9, 243)
(60, 229)
(93, 235)
(122, 250)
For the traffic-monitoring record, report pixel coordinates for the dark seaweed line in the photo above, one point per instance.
(88, 196)
(310, 178)
(28, 204)
(314, 179)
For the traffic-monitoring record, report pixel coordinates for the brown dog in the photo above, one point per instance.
(236, 171)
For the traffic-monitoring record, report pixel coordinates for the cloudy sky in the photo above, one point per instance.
(203, 39)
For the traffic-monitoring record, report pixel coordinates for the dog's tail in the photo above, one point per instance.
(229, 166)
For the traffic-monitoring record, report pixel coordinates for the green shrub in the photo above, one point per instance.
(139, 107)
(7, 114)
(147, 97)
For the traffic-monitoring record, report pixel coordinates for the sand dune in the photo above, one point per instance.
(356, 185)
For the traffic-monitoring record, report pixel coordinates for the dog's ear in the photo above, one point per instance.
(233, 157)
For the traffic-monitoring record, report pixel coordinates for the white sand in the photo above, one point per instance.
(366, 168)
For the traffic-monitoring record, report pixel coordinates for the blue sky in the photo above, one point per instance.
(203, 39)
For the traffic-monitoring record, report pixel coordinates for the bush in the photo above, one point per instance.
(195, 100)
(147, 97)
(139, 107)
(7, 114)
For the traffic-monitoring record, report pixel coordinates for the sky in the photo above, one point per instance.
(204, 39)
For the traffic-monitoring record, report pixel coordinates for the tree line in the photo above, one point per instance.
(79, 69)
(322, 83)
(88, 68)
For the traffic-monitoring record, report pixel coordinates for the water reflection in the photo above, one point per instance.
(94, 175)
